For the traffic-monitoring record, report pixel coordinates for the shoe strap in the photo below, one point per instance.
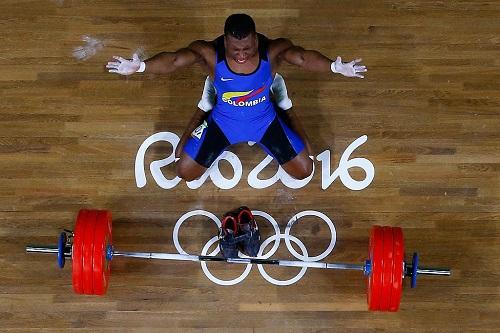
(244, 237)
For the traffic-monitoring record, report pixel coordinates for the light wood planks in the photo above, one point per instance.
(69, 133)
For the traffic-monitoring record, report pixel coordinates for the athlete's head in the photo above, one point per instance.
(240, 37)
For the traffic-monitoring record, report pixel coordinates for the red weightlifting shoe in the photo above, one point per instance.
(248, 232)
(228, 242)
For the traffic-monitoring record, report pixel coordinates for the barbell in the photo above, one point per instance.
(90, 248)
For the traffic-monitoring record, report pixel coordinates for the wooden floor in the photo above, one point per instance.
(70, 132)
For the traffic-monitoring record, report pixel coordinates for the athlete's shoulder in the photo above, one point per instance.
(278, 46)
(203, 48)
(263, 39)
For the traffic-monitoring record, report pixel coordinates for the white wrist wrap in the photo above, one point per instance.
(142, 67)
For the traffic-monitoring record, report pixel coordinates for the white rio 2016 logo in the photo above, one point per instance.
(253, 180)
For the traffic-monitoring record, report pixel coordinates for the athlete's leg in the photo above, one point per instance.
(188, 169)
(285, 109)
(292, 120)
(287, 148)
(300, 167)
(201, 149)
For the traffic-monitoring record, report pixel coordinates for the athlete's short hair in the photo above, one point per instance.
(239, 26)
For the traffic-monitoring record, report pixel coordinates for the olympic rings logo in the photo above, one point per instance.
(276, 238)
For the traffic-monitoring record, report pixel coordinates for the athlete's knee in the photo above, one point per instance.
(299, 168)
(304, 170)
(187, 172)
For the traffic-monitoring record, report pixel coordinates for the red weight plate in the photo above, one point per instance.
(388, 254)
(88, 251)
(100, 265)
(375, 278)
(77, 255)
(109, 242)
(397, 270)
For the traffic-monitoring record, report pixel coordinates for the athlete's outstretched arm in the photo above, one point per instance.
(282, 49)
(162, 63)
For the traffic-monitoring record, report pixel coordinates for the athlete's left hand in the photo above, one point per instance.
(349, 69)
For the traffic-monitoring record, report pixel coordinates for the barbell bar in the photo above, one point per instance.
(91, 250)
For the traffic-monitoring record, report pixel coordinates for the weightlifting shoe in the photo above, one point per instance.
(228, 243)
(248, 232)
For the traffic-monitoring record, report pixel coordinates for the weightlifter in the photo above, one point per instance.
(242, 65)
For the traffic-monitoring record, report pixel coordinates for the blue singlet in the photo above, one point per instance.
(243, 108)
(243, 112)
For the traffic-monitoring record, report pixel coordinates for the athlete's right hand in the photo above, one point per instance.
(124, 66)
